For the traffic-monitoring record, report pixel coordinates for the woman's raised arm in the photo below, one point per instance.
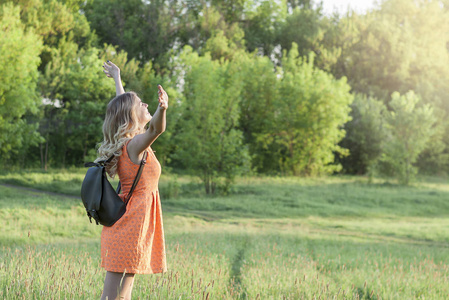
(155, 128)
(112, 71)
(158, 122)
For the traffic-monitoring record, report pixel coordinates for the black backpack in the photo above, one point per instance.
(101, 201)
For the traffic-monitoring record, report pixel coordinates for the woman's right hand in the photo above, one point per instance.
(163, 97)
(111, 70)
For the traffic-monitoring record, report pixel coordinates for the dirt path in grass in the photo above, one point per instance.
(23, 188)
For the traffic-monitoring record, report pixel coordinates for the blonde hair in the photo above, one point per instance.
(120, 125)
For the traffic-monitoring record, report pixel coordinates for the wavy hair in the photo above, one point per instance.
(120, 125)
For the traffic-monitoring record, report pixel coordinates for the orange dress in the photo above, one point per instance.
(135, 243)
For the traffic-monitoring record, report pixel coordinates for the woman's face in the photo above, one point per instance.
(142, 112)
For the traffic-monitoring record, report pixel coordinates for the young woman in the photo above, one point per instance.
(134, 244)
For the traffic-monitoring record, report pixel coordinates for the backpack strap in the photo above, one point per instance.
(100, 163)
(136, 180)
(109, 159)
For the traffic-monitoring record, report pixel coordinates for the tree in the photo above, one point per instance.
(231, 10)
(222, 40)
(365, 134)
(399, 48)
(146, 30)
(77, 92)
(310, 112)
(19, 59)
(299, 3)
(62, 32)
(212, 146)
(311, 31)
(259, 100)
(409, 127)
(261, 25)
(434, 159)
(54, 20)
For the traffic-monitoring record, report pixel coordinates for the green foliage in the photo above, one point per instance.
(303, 27)
(54, 20)
(231, 10)
(223, 40)
(409, 127)
(19, 59)
(313, 32)
(435, 157)
(146, 30)
(209, 143)
(365, 134)
(261, 26)
(64, 43)
(388, 50)
(392, 50)
(77, 92)
(259, 97)
(312, 108)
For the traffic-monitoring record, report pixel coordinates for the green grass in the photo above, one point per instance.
(272, 197)
(59, 181)
(271, 238)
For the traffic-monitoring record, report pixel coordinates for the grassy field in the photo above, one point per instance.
(271, 238)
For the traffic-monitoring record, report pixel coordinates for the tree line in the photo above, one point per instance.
(255, 86)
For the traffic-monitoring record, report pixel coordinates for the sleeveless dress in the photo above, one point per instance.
(135, 243)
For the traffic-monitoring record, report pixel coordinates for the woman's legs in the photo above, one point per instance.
(117, 286)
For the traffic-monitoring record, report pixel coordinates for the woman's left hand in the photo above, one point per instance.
(111, 70)
(163, 98)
